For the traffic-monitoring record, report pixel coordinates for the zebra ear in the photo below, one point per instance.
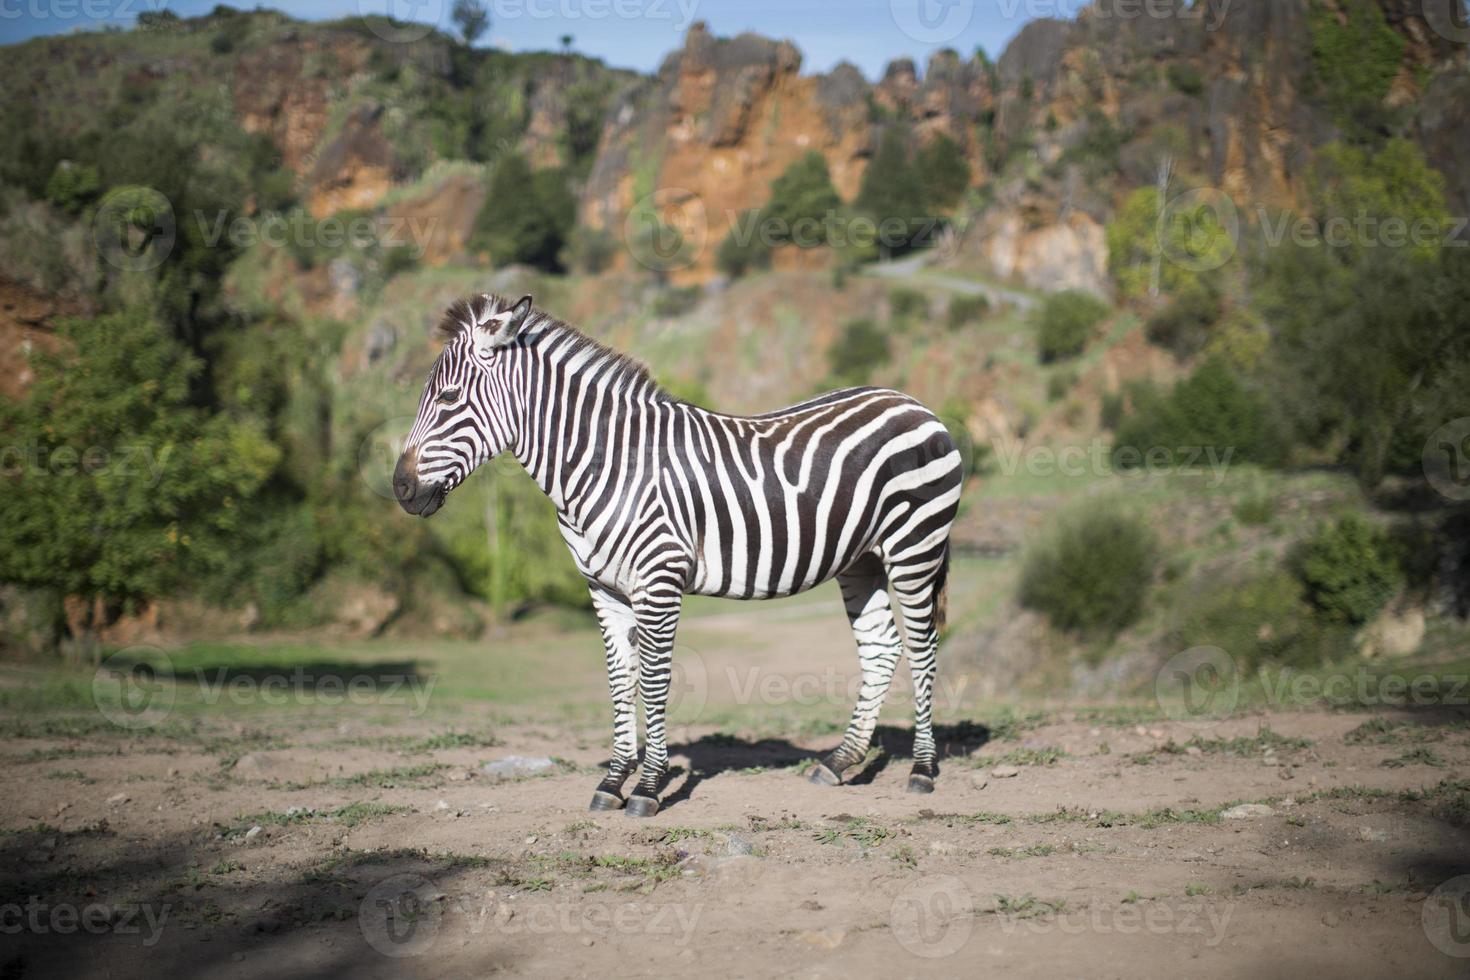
(501, 328)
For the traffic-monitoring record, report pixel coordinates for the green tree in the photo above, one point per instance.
(943, 171)
(118, 486)
(1349, 570)
(1064, 323)
(472, 19)
(72, 186)
(802, 194)
(1355, 56)
(1213, 408)
(527, 215)
(892, 194)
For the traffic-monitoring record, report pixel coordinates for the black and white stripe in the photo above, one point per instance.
(658, 499)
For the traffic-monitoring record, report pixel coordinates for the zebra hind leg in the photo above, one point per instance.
(919, 586)
(865, 597)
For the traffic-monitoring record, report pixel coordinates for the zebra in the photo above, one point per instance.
(657, 498)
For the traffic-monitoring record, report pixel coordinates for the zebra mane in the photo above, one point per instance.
(541, 327)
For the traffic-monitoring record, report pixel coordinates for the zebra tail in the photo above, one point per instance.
(941, 598)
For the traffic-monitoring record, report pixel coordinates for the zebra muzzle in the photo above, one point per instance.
(413, 496)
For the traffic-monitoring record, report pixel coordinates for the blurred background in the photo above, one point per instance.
(1188, 282)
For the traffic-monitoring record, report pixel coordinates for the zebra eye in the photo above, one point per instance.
(448, 395)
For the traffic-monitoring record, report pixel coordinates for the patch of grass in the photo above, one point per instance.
(904, 855)
(75, 774)
(1044, 756)
(860, 830)
(1195, 889)
(674, 835)
(1027, 906)
(453, 740)
(1422, 756)
(226, 867)
(1032, 850)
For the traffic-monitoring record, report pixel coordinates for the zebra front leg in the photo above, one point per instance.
(865, 597)
(620, 637)
(658, 619)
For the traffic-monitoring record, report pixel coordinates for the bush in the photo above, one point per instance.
(526, 216)
(1184, 325)
(590, 250)
(72, 185)
(861, 348)
(802, 194)
(964, 310)
(943, 171)
(1186, 78)
(743, 251)
(1349, 570)
(676, 301)
(1091, 571)
(1258, 619)
(1064, 323)
(1059, 384)
(1212, 409)
(907, 304)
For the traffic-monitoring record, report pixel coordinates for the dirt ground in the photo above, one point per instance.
(1063, 840)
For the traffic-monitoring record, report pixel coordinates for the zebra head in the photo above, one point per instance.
(466, 413)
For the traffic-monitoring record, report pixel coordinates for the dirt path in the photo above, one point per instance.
(386, 849)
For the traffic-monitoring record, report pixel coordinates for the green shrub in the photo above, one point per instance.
(1091, 571)
(72, 185)
(1349, 570)
(943, 172)
(1256, 507)
(1260, 618)
(1065, 322)
(1356, 56)
(861, 348)
(1110, 412)
(1059, 384)
(1184, 325)
(908, 305)
(1186, 78)
(590, 250)
(1212, 409)
(527, 215)
(676, 300)
(743, 249)
(802, 194)
(965, 310)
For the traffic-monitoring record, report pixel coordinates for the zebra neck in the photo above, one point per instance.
(590, 422)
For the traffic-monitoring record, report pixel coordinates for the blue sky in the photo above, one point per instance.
(635, 33)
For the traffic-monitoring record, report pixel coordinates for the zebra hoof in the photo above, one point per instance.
(823, 776)
(920, 783)
(641, 806)
(603, 800)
